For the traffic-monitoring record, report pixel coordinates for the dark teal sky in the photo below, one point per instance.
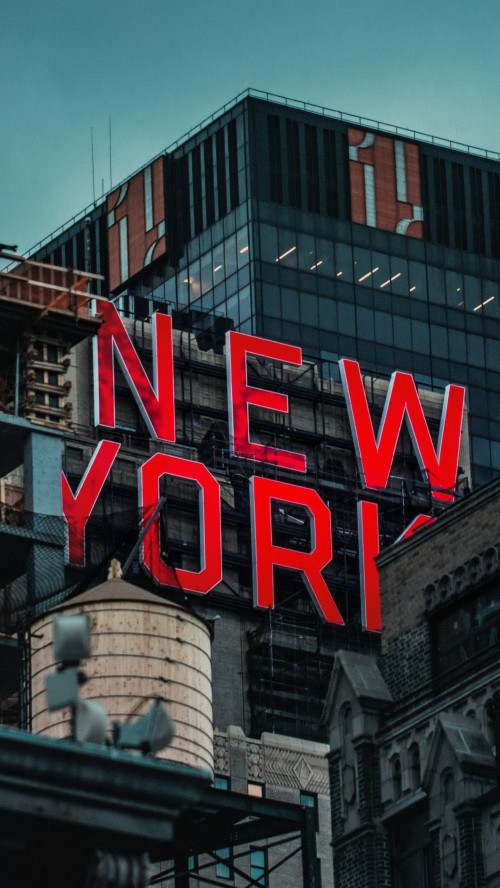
(158, 67)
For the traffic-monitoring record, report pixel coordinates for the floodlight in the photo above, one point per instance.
(91, 721)
(149, 733)
(71, 638)
(62, 688)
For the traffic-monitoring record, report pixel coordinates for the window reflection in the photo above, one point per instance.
(218, 264)
(307, 253)
(489, 304)
(324, 257)
(343, 262)
(213, 275)
(242, 247)
(206, 273)
(417, 280)
(454, 289)
(472, 292)
(399, 276)
(287, 248)
(230, 255)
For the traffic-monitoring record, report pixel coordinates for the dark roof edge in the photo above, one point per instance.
(293, 104)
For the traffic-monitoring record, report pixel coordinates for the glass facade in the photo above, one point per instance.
(259, 231)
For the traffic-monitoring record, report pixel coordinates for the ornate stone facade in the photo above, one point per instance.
(413, 773)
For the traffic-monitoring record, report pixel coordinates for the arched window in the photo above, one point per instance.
(447, 786)
(346, 723)
(414, 765)
(396, 777)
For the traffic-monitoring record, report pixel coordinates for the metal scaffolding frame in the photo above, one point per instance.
(224, 819)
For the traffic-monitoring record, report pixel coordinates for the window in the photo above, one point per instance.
(396, 778)
(310, 800)
(209, 181)
(221, 782)
(256, 790)
(221, 172)
(331, 189)
(224, 866)
(459, 207)
(293, 156)
(224, 870)
(447, 787)
(312, 170)
(274, 142)
(258, 865)
(233, 163)
(414, 764)
(476, 192)
(412, 853)
(470, 629)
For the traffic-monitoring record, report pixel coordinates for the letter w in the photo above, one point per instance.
(375, 455)
(156, 402)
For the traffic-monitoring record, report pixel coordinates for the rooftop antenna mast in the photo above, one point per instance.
(110, 167)
(92, 156)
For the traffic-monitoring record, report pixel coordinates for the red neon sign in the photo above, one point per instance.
(241, 396)
(375, 458)
(210, 573)
(267, 555)
(78, 507)
(156, 402)
(376, 455)
(369, 548)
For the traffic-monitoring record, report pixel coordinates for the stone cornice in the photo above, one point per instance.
(467, 576)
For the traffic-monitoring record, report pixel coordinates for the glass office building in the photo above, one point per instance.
(344, 236)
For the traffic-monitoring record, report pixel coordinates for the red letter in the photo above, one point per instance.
(210, 524)
(78, 507)
(375, 457)
(371, 617)
(266, 555)
(241, 395)
(157, 402)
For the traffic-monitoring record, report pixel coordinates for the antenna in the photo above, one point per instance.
(92, 155)
(110, 167)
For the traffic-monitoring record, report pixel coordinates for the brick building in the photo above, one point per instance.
(413, 733)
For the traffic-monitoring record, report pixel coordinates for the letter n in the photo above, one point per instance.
(156, 402)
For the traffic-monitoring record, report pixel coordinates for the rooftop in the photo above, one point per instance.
(295, 104)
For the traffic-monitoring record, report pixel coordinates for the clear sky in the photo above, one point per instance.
(158, 67)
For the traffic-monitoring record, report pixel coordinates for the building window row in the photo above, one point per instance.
(379, 272)
(303, 164)
(212, 178)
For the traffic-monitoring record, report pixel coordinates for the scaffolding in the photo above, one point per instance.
(46, 309)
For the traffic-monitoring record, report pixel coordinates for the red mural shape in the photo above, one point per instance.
(210, 573)
(241, 396)
(156, 402)
(375, 455)
(136, 223)
(267, 555)
(385, 182)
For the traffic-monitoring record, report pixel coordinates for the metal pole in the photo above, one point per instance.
(181, 867)
(16, 389)
(310, 874)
